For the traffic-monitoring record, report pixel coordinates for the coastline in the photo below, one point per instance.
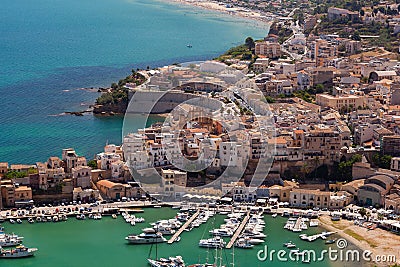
(252, 15)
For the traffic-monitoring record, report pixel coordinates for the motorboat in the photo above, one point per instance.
(274, 215)
(289, 244)
(170, 262)
(226, 232)
(114, 216)
(243, 244)
(215, 242)
(19, 221)
(330, 241)
(9, 242)
(313, 223)
(31, 220)
(17, 252)
(146, 238)
(12, 221)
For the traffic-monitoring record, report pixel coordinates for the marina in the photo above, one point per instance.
(113, 231)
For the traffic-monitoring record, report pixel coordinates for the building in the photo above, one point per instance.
(115, 191)
(395, 164)
(173, 182)
(268, 49)
(81, 176)
(390, 145)
(341, 101)
(3, 168)
(309, 198)
(373, 191)
(85, 196)
(335, 13)
(72, 160)
(23, 196)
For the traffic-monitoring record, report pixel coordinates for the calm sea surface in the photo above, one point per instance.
(50, 48)
(102, 244)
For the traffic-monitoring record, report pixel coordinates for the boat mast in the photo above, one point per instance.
(233, 256)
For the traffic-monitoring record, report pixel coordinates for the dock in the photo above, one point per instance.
(187, 223)
(296, 227)
(238, 230)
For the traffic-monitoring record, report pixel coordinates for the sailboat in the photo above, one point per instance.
(176, 261)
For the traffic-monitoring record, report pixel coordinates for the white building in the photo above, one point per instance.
(106, 159)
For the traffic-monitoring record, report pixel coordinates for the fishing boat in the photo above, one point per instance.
(19, 252)
(12, 221)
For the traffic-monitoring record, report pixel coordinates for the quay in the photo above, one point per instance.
(238, 231)
(187, 223)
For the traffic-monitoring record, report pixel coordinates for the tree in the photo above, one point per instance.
(362, 212)
(356, 36)
(92, 164)
(249, 42)
(319, 88)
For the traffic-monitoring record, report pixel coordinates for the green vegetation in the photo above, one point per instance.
(344, 168)
(15, 174)
(92, 164)
(118, 92)
(382, 161)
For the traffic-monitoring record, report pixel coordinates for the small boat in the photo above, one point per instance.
(189, 46)
(114, 216)
(274, 215)
(12, 221)
(157, 206)
(30, 220)
(19, 252)
(19, 221)
(313, 223)
(38, 219)
(289, 244)
(330, 241)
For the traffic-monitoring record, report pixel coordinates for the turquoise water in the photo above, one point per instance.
(49, 48)
(102, 244)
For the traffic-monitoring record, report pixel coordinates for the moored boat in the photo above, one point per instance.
(170, 262)
(145, 238)
(18, 252)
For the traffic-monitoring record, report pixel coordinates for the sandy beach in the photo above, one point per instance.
(378, 241)
(260, 19)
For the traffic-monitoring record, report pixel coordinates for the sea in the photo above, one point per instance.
(101, 243)
(51, 49)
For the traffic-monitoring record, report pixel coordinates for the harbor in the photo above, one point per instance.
(91, 236)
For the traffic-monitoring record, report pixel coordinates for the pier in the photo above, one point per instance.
(238, 230)
(296, 227)
(187, 223)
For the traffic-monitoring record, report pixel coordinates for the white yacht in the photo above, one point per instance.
(9, 242)
(18, 252)
(170, 262)
(226, 232)
(146, 238)
(215, 242)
